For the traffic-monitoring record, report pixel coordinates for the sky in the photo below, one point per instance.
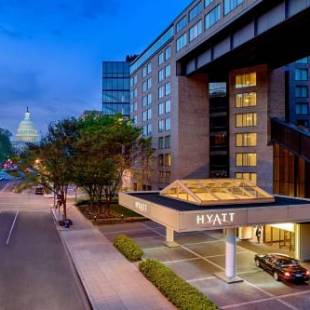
(51, 51)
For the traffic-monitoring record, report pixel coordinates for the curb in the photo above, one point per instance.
(71, 261)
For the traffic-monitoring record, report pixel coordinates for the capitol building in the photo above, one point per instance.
(26, 132)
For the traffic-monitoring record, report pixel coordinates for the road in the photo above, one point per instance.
(35, 271)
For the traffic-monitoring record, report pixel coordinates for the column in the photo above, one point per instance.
(230, 258)
(170, 238)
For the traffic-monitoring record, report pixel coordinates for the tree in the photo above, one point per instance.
(6, 148)
(52, 161)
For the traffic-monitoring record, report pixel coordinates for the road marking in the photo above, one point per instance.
(201, 279)
(181, 260)
(123, 231)
(11, 230)
(203, 242)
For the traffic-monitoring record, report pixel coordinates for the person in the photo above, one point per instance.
(258, 234)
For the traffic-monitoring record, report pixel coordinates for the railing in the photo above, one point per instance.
(291, 137)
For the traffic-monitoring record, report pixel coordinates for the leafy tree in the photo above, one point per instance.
(6, 148)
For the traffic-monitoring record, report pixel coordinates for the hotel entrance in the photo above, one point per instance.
(280, 236)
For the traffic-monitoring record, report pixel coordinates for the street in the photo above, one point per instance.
(35, 271)
(201, 254)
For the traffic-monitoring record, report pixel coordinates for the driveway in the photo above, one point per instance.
(200, 255)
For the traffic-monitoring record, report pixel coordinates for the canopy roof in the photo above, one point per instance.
(206, 192)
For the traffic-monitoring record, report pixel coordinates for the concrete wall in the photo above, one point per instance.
(302, 242)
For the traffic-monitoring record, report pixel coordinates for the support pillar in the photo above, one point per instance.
(170, 243)
(230, 275)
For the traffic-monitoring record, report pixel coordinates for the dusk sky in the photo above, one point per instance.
(51, 51)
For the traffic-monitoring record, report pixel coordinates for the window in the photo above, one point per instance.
(246, 80)
(246, 100)
(302, 108)
(144, 86)
(181, 42)
(167, 89)
(145, 130)
(144, 116)
(167, 160)
(302, 91)
(135, 106)
(161, 58)
(246, 159)
(208, 2)
(161, 144)
(181, 24)
(168, 71)
(149, 99)
(144, 101)
(195, 11)
(167, 124)
(149, 68)
(161, 92)
(168, 106)
(195, 31)
(149, 129)
(248, 176)
(246, 139)
(144, 72)
(149, 83)
(168, 53)
(212, 17)
(230, 5)
(167, 142)
(161, 75)
(301, 74)
(135, 119)
(149, 114)
(161, 125)
(246, 120)
(161, 108)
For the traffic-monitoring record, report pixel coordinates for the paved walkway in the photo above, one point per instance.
(110, 281)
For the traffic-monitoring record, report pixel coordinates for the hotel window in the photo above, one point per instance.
(161, 75)
(212, 17)
(145, 130)
(149, 114)
(208, 2)
(135, 106)
(161, 160)
(246, 100)
(149, 83)
(161, 58)
(167, 142)
(167, 53)
(246, 80)
(302, 91)
(135, 119)
(181, 24)
(144, 86)
(230, 5)
(246, 120)
(246, 160)
(167, 89)
(144, 72)
(144, 101)
(248, 176)
(144, 116)
(161, 125)
(161, 92)
(168, 106)
(302, 108)
(149, 99)
(167, 124)
(246, 139)
(181, 42)
(195, 31)
(135, 80)
(195, 11)
(161, 108)
(161, 144)
(167, 160)
(168, 71)
(301, 74)
(149, 68)
(149, 129)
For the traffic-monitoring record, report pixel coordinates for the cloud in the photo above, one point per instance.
(10, 32)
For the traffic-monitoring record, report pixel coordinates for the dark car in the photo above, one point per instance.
(282, 267)
(39, 190)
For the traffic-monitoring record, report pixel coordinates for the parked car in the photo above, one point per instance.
(282, 267)
(39, 190)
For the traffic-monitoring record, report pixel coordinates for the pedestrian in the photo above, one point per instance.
(258, 234)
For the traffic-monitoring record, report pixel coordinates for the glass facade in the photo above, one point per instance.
(115, 88)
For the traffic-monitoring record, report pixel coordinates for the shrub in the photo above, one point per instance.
(183, 295)
(128, 248)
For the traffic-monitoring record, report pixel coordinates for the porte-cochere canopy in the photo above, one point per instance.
(206, 192)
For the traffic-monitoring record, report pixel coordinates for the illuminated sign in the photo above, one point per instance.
(216, 219)
(140, 206)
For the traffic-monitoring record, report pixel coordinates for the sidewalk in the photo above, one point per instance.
(111, 282)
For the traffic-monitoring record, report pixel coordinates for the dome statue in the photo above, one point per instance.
(26, 131)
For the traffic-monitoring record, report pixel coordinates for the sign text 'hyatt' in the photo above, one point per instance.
(216, 219)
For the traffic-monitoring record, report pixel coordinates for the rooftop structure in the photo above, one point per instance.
(26, 132)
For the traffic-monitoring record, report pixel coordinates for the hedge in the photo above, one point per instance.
(128, 248)
(183, 295)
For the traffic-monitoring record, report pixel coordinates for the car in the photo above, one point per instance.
(282, 267)
(39, 190)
